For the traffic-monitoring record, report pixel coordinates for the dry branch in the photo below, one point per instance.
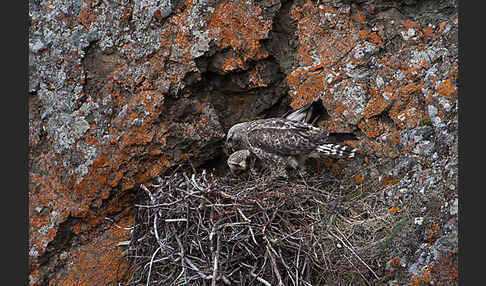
(199, 229)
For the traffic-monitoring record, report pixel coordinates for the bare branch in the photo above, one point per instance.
(151, 262)
(352, 251)
(196, 227)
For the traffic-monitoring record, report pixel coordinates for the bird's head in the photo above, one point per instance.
(238, 161)
(235, 135)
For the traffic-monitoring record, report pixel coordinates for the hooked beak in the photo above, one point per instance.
(229, 146)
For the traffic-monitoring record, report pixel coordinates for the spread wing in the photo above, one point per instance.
(309, 113)
(285, 137)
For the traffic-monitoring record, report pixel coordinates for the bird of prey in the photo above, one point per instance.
(243, 160)
(282, 142)
(240, 161)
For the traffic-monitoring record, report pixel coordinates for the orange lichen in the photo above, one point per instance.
(232, 64)
(388, 181)
(393, 210)
(447, 89)
(441, 27)
(99, 262)
(426, 276)
(127, 186)
(428, 33)
(363, 34)
(74, 195)
(446, 269)
(375, 39)
(359, 18)
(454, 71)
(372, 36)
(116, 179)
(359, 178)
(409, 24)
(415, 281)
(86, 17)
(315, 39)
(240, 27)
(378, 103)
(394, 264)
(127, 13)
(444, 272)
(100, 161)
(306, 91)
(408, 110)
(100, 179)
(34, 278)
(77, 228)
(255, 77)
(433, 234)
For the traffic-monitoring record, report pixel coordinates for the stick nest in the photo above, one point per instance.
(199, 229)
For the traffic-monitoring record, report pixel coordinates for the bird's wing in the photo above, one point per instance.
(309, 113)
(285, 137)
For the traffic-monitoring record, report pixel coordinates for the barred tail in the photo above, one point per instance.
(340, 151)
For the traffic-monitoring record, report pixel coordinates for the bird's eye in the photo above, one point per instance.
(243, 164)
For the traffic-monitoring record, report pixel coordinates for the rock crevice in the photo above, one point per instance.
(122, 92)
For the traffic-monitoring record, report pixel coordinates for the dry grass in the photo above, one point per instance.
(199, 229)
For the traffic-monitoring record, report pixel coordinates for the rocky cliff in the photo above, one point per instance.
(122, 91)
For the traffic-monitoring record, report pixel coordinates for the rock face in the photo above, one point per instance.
(122, 91)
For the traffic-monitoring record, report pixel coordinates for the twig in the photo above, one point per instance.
(297, 266)
(150, 268)
(156, 233)
(252, 273)
(357, 256)
(175, 219)
(182, 253)
(271, 251)
(195, 268)
(225, 280)
(159, 205)
(151, 196)
(216, 260)
(286, 266)
(249, 227)
(120, 227)
(357, 270)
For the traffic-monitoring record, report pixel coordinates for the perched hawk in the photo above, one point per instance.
(280, 142)
(243, 160)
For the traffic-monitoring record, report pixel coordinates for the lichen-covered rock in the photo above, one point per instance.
(120, 92)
